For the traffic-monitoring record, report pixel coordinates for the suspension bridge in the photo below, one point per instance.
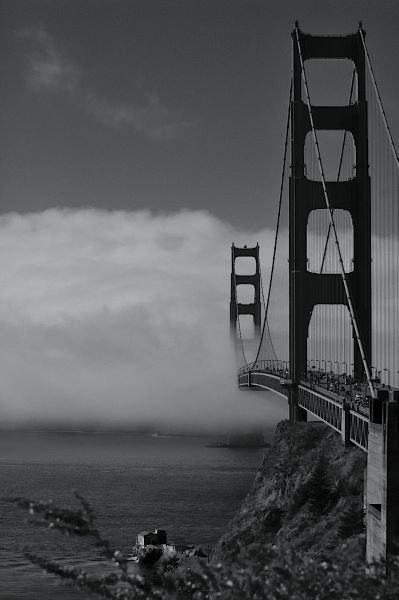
(328, 341)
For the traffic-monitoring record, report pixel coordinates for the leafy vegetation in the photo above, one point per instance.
(319, 487)
(351, 521)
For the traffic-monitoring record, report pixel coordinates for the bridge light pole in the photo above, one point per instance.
(389, 376)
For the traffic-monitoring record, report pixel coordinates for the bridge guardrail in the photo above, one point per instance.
(333, 409)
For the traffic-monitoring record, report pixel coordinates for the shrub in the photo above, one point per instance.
(319, 487)
(263, 571)
(351, 521)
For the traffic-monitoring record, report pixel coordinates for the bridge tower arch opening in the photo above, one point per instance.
(330, 341)
(322, 255)
(338, 151)
(329, 80)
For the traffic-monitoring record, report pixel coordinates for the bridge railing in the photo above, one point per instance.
(325, 408)
(340, 388)
(345, 410)
(358, 429)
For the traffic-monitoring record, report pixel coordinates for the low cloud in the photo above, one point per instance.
(151, 118)
(121, 318)
(48, 69)
(51, 71)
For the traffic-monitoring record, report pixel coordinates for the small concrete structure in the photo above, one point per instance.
(382, 476)
(152, 538)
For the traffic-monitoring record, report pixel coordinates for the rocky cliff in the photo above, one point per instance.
(307, 495)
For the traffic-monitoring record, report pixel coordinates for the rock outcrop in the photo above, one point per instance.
(308, 495)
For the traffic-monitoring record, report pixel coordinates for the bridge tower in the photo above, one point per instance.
(252, 308)
(307, 289)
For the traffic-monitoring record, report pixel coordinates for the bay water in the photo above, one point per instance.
(133, 481)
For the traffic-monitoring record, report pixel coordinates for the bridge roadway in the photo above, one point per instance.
(338, 400)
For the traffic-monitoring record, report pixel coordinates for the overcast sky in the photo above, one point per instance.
(138, 140)
(161, 104)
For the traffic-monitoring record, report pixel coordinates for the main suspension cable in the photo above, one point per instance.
(265, 320)
(264, 309)
(331, 217)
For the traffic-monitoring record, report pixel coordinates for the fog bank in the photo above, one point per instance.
(121, 319)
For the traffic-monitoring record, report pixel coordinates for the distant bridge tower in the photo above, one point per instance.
(309, 289)
(252, 308)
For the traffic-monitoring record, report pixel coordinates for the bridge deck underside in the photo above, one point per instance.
(260, 380)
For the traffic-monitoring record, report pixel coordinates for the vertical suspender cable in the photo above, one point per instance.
(331, 216)
(385, 321)
(392, 143)
(267, 322)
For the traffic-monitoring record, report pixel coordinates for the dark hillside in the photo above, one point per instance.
(308, 495)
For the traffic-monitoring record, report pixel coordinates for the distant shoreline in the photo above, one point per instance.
(150, 433)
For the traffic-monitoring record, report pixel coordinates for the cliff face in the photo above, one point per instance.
(307, 495)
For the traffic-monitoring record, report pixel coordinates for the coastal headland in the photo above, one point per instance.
(307, 494)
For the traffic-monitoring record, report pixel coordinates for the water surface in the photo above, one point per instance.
(134, 482)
